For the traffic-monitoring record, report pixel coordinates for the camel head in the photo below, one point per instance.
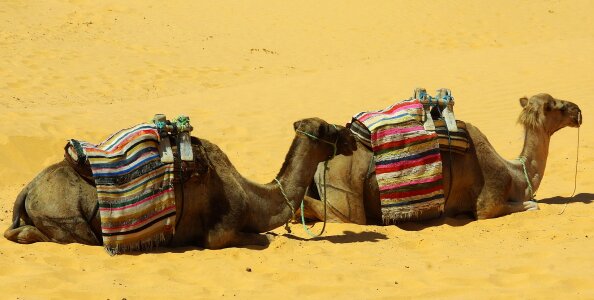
(544, 112)
(326, 134)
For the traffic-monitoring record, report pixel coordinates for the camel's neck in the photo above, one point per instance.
(268, 207)
(536, 151)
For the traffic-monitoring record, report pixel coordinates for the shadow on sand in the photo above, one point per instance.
(459, 220)
(582, 197)
(347, 237)
(186, 249)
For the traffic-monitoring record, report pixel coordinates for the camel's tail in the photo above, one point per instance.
(18, 209)
(25, 234)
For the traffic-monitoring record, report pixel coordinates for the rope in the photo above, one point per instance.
(445, 201)
(577, 155)
(371, 164)
(522, 160)
(311, 234)
(287, 228)
(181, 181)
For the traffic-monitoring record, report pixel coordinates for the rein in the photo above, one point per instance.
(325, 200)
(577, 155)
(313, 235)
(522, 160)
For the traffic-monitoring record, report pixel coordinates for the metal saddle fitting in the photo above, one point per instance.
(447, 113)
(421, 95)
(179, 130)
(441, 105)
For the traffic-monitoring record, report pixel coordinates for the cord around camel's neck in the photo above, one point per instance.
(268, 206)
(536, 152)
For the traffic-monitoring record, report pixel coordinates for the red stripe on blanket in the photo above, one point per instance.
(379, 169)
(411, 193)
(400, 143)
(400, 106)
(394, 130)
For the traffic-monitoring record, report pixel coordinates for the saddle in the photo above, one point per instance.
(437, 116)
(181, 154)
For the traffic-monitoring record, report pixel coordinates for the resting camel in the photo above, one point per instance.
(221, 208)
(480, 181)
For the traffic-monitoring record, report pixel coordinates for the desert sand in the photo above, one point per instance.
(244, 72)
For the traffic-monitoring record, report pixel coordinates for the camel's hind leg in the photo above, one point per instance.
(25, 235)
(69, 230)
(74, 230)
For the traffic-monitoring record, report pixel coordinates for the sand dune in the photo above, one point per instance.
(244, 72)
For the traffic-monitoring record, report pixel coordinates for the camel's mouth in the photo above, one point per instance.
(579, 119)
(348, 152)
(349, 149)
(346, 142)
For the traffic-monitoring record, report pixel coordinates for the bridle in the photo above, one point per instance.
(322, 140)
(313, 235)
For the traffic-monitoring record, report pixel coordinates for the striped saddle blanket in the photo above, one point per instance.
(456, 142)
(407, 161)
(134, 189)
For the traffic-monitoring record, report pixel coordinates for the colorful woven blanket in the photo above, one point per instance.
(407, 160)
(134, 188)
(457, 142)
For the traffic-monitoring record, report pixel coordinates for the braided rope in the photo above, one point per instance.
(311, 234)
(288, 203)
(522, 160)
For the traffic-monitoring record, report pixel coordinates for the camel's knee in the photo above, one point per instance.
(218, 239)
(493, 210)
(507, 208)
(334, 214)
(25, 235)
(309, 211)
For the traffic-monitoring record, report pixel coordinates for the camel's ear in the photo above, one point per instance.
(296, 125)
(523, 101)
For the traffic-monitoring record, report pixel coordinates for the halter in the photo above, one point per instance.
(324, 185)
(322, 140)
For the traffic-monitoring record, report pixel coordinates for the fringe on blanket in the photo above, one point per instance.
(407, 161)
(134, 189)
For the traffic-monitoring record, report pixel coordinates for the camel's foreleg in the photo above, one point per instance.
(218, 239)
(492, 203)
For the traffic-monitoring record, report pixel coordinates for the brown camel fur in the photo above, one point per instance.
(221, 208)
(481, 181)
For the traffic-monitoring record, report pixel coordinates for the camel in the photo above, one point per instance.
(479, 182)
(220, 208)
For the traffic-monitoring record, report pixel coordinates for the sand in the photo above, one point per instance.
(244, 72)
